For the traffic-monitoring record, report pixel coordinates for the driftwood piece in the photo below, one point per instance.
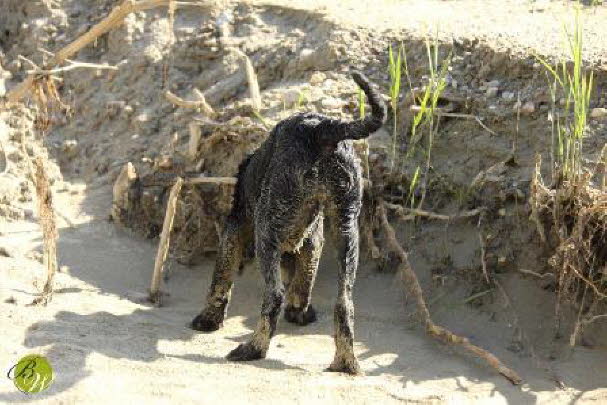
(163, 246)
(412, 285)
(114, 19)
(46, 218)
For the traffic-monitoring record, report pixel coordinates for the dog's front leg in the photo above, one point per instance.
(229, 258)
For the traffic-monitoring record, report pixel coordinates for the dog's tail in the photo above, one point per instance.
(338, 130)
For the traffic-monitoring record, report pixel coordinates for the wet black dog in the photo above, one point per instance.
(305, 171)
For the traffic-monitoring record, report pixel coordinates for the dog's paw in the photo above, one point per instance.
(246, 352)
(205, 322)
(299, 317)
(348, 367)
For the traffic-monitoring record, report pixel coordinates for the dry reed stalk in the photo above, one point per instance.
(46, 218)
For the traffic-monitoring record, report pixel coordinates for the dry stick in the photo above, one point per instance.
(468, 116)
(535, 187)
(200, 104)
(252, 79)
(115, 18)
(71, 66)
(163, 246)
(412, 285)
(535, 274)
(211, 180)
(194, 141)
(408, 214)
(46, 218)
(481, 240)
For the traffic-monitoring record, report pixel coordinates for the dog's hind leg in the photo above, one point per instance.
(228, 260)
(344, 230)
(298, 309)
(273, 297)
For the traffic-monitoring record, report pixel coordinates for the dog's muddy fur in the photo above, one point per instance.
(305, 172)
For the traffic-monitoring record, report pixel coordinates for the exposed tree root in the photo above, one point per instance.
(571, 218)
(412, 285)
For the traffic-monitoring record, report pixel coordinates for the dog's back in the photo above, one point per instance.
(305, 145)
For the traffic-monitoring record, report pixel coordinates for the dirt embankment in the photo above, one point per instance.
(97, 333)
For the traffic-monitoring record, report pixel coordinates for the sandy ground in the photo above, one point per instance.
(106, 345)
(521, 26)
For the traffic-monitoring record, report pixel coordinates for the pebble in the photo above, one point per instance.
(330, 103)
(70, 148)
(492, 83)
(143, 117)
(317, 78)
(492, 92)
(598, 112)
(508, 95)
(291, 96)
(4, 252)
(28, 213)
(528, 108)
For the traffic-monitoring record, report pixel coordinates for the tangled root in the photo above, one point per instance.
(571, 220)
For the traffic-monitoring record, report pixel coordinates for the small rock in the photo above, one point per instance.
(317, 78)
(14, 156)
(502, 212)
(598, 112)
(70, 148)
(528, 108)
(4, 252)
(28, 213)
(508, 95)
(14, 66)
(492, 83)
(330, 103)
(143, 117)
(290, 97)
(492, 92)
